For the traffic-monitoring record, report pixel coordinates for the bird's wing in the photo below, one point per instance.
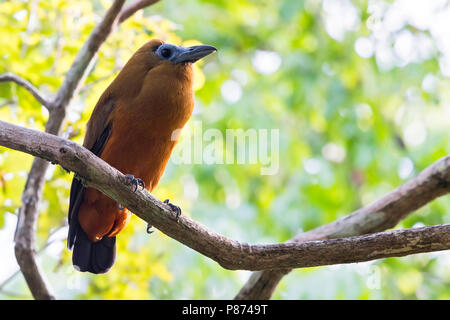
(97, 134)
(98, 121)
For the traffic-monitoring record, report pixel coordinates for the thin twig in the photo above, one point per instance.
(5, 77)
(131, 9)
(8, 102)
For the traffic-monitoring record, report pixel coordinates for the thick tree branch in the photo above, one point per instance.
(228, 253)
(5, 77)
(31, 197)
(380, 215)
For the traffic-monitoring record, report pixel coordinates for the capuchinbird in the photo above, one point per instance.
(131, 128)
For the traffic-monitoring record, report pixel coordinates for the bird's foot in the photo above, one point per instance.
(120, 206)
(134, 181)
(174, 208)
(149, 229)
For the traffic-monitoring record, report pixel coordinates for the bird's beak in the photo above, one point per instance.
(194, 53)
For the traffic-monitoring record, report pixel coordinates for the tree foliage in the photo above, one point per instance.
(353, 125)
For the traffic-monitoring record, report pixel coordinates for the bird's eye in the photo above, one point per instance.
(166, 53)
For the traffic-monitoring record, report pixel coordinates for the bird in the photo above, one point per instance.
(131, 128)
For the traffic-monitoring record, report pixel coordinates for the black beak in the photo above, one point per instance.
(192, 54)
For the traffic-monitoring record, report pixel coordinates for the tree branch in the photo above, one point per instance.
(131, 9)
(435, 183)
(228, 253)
(85, 56)
(27, 219)
(383, 214)
(28, 86)
(28, 213)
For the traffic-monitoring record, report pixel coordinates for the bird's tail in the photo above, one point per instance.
(95, 257)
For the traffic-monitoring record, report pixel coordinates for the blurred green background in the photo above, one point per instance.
(359, 91)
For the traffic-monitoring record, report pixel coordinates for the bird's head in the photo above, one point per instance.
(178, 54)
(158, 65)
(156, 52)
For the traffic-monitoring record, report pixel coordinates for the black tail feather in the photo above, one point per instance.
(95, 257)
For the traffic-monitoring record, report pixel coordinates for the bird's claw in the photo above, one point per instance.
(120, 206)
(134, 181)
(175, 208)
(149, 227)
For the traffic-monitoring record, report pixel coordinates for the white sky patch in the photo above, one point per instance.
(400, 114)
(72, 115)
(419, 13)
(340, 16)
(385, 57)
(415, 134)
(363, 111)
(440, 19)
(44, 112)
(59, 235)
(429, 83)
(75, 110)
(412, 48)
(190, 187)
(231, 91)
(243, 275)
(233, 199)
(393, 19)
(266, 62)
(20, 15)
(427, 49)
(8, 176)
(404, 47)
(405, 168)
(312, 166)
(364, 47)
(395, 46)
(54, 249)
(8, 263)
(334, 152)
(444, 64)
(50, 171)
(240, 76)
(418, 225)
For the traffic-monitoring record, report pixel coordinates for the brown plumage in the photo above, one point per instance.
(131, 128)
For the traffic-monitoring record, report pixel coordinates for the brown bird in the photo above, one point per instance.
(131, 128)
